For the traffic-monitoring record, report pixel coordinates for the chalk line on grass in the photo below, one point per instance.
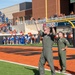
(29, 66)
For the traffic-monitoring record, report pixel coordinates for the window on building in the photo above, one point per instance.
(21, 19)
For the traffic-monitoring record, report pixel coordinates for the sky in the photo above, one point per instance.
(7, 3)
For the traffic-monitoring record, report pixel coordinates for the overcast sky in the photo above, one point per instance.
(6, 3)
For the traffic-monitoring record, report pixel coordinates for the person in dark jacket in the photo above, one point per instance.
(47, 53)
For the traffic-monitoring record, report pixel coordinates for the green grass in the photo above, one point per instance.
(14, 69)
(33, 45)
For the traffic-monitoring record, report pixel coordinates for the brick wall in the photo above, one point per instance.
(22, 14)
(38, 7)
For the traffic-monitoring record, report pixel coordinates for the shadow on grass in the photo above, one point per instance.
(35, 71)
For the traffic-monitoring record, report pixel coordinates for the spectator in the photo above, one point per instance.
(16, 39)
(4, 40)
(22, 39)
(55, 15)
(14, 31)
(12, 40)
(8, 40)
(72, 13)
(70, 37)
(36, 38)
(33, 39)
(28, 39)
(65, 35)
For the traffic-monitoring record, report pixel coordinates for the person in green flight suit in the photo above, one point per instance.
(62, 46)
(47, 53)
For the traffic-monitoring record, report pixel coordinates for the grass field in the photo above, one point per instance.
(15, 69)
(34, 45)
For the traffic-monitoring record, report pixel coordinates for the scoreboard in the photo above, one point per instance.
(72, 1)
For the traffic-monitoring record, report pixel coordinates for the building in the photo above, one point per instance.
(54, 7)
(18, 12)
(36, 9)
(25, 12)
(8, 11)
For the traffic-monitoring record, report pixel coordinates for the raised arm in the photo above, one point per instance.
(53, 31)
(39, 30)
(37, 27)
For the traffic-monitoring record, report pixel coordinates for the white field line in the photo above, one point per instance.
(29, 66)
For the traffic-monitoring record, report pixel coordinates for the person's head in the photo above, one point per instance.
(72, 13)
(46, 30)
(61, 34)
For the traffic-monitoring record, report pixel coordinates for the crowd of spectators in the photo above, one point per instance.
(6, 29)
(21, 39)
(31, 39)
(63, 15)
(28, 39)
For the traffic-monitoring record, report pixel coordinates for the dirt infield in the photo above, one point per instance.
(31, 55)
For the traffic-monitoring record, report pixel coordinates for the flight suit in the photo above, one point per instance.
(62, 43)
(47, 53)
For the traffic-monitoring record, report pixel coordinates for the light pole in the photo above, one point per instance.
(46, 9)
